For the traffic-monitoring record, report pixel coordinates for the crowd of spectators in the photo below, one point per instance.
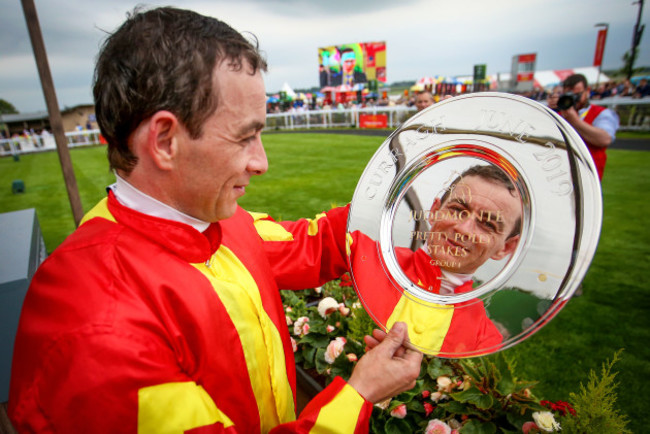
(619, 88)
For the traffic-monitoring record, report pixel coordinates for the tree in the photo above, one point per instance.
(7, 108)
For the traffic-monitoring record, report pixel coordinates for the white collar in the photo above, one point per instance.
(131, 197)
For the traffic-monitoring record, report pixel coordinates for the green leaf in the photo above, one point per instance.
(438, 367)
(397, 426)
(319, 361)
(315, 340)
(474, 396)
(506, 384)
(475, 426)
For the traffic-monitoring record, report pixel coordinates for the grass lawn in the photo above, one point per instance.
(311, 172)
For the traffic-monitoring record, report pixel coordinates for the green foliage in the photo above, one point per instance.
(7, 108)
(594, 405)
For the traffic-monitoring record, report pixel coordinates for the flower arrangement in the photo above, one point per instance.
(481, 395)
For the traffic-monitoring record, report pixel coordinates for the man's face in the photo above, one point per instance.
(423, 100)
(579, 89)
(214, 170)
(348, 61)
(473, 225)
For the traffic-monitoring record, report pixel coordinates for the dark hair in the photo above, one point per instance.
(492, 174)
(163, 59)
(574, 79)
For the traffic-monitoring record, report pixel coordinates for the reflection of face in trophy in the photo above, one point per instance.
(478, 218)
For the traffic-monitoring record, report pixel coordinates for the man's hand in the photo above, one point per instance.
(388, 368)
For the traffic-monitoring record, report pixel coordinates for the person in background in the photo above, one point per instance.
(423, 100)
(596, 125)
(162, 311)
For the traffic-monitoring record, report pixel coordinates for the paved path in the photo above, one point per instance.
(627, 144)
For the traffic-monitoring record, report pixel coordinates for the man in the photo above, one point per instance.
(350, 75)
(595, 124)
(642, 90)
(161, 313)
(478, 218)
(423, 100)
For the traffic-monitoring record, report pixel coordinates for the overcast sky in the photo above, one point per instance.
(423, 37)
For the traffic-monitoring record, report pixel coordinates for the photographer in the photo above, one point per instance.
(595, 124)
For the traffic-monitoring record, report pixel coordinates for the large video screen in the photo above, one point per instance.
(351, 64)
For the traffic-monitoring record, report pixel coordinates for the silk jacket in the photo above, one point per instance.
(140, 324)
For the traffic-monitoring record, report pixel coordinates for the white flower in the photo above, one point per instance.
(334, 349)
(545, 421)
(297, 325)
(327, 306)
(383, 404)
(444, 383)
(437, 396)
(345, 311)
(330, 328)
(318, 289)
(356, 305)
(289, 320)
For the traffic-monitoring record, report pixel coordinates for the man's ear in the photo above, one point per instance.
(162, 139)
(508, 248)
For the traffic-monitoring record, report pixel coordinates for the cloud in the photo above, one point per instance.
(423, 37)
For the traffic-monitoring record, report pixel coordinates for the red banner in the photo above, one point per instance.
(373, 121)
(600, 47)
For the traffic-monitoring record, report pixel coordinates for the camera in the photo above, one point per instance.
(567, 100)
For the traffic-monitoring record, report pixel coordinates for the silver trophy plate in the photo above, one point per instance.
(474, 223)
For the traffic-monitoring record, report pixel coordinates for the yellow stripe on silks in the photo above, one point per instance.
(428, 323)
(341, 414)
(313, 224)
(176, 407)
(99, 210)
(260, 340)
(269, 230)
(348, 243)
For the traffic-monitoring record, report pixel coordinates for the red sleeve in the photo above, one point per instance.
(311, 252)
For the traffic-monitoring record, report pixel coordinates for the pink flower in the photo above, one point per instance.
(288, 309)
(334, 349)
(345, 311)
(428, 408)
(294, 345)
(289, 321)
(399, 411)
(305, 328)
(330, 328)
(529, 426)
(426, 394)
(297, 325)
(352, 357)
(436, 426)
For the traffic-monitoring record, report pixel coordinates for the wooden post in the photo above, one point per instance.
(53, 108)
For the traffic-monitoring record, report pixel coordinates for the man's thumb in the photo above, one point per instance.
(396, 336)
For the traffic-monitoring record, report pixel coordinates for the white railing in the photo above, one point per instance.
(633, 113)
(334, 118)
(45, 142)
